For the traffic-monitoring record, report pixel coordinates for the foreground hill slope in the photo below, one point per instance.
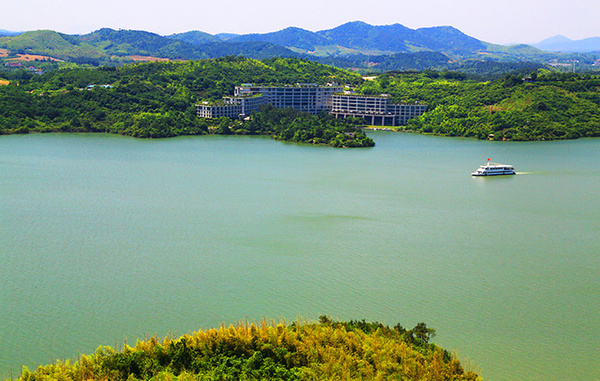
(354, 350)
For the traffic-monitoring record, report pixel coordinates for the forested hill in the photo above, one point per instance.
(158, 99)
(108, 46)
(540, 106)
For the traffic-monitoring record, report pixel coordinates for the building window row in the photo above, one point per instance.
(312, 99)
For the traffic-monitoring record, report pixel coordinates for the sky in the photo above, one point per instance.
(495, 21)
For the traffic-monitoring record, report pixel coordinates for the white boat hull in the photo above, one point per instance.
(494, 169)
(493, 174)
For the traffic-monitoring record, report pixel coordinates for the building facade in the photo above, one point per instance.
(313, 99)
(376, 110)
(306, 97)
(230, 107)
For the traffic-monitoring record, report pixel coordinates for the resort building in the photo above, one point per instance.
(306, 97)
(313, 99)
(376, 110)
(230, 107)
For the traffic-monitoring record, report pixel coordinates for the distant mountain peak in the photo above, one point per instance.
(8, 33)
(356, 22)
(560, 43)
(226, 36)
(295, 28)
(195, 37)
(559, 38)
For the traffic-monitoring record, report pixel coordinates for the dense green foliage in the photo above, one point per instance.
(47, 42)
(382, 63)
(195, 37)
(158, 100)
(544, 106)
(329, 350)
(143, 100)
(295, 126)
(476, 69)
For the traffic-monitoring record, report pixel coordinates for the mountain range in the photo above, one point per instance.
(8, 33)
(354, 43)
(561, 43)
(357, 37)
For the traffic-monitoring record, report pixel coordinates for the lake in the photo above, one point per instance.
(105, 239)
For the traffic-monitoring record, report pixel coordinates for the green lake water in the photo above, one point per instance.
(105, 239)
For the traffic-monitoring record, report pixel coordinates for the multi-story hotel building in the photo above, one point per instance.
(306, 97)
(313, 99)
(230, 107)
(376, 110)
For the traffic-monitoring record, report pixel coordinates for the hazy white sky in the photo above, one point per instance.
(506, 21)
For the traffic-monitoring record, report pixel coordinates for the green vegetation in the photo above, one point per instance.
(294, 126)
(47, 42)
(113, 47)
(539, 106)
(156, 100)
(151, 100)
(328, 350)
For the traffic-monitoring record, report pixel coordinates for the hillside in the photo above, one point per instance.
(451, 40)
(149, 100)
(399, 61)
(328, 350)
(50, 43)
(129, 42)
(342, 44)
(109, 46)
(360, 37)
(357, 37)
(546, 106)
(289, 37)
(251, 49)
(195, 37)
(157, 99)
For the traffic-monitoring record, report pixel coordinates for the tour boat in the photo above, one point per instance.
(494, 169)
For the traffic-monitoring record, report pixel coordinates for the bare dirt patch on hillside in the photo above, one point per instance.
(3, 53)
(33, 57)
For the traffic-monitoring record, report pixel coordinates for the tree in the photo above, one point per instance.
(421, 332)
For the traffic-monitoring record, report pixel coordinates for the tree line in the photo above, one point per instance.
(158, 99)
(540, 105)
